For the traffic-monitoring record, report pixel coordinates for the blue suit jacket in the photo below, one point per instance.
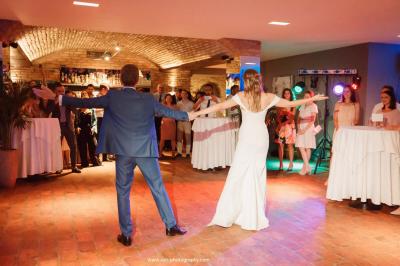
(128, 125)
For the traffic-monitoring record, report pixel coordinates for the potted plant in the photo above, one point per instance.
(12, 99)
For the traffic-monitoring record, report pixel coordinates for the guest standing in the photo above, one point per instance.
(379, 106)
(65, 115)
(159, 96)
(286, 130)
(305, 139)
(99, 115)
(208, 100)
(89, 90)
(86, 128)
(347, 110)
(391, 115)
(233, 112)
(168, 126)
(185, 127)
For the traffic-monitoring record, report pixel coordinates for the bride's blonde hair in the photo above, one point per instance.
(253, 89)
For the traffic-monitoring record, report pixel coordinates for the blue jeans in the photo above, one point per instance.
(150, 168)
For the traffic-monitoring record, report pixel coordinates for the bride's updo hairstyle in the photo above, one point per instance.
(253, 89)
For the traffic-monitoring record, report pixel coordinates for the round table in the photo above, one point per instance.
(39, 147)
(214, 142)
(365, 164)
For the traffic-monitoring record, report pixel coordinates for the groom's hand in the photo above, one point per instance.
(44, 93)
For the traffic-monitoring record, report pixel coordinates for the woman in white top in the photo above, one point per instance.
(184, 127)
(305, 139)
(379, 106)
(347, 110)
(391, 115)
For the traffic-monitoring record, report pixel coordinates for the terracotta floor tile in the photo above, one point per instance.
(72, 220)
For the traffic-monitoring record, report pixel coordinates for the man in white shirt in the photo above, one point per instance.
(208, 100)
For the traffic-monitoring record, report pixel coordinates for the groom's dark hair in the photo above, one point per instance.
(129, 75)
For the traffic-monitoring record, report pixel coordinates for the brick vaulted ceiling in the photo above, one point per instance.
(41, 44)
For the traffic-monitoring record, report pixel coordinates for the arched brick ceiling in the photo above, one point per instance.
(164, 52)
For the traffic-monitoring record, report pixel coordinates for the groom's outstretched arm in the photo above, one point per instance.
(98, 102)
(161, 110)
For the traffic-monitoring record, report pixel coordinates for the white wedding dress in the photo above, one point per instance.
(243, 198)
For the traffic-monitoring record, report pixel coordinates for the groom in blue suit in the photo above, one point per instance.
(128, 131)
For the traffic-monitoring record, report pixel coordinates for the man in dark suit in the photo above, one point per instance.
(128, 131)
(66, 116)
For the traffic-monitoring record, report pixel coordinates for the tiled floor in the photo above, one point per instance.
(72, 220)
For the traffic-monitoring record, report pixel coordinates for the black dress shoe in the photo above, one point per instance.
(76, 170)
(125, 240)
(373, 207)
(96, 163)
(175, 230)
(357, 204)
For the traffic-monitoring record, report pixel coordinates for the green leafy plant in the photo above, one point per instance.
(12, 98)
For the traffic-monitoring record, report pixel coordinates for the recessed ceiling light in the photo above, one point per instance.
(279, 23)
(79, 3)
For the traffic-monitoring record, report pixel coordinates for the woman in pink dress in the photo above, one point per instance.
(286, 130)
(168, 127)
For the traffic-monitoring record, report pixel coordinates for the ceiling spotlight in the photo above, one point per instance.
(117, 48)
(279, 23)
(14, 44)
(79, 3)
(107, 56)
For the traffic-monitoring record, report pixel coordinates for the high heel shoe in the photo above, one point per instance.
(290, 168)
(302, 171)
(309, 170)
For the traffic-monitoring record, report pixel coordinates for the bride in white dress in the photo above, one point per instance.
(242, 200)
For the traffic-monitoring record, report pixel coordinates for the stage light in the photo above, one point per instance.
(299, 87)
(338, 89)
(356, 82)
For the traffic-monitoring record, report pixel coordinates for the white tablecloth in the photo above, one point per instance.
(39, 147)
(365, 164)
(214, 141)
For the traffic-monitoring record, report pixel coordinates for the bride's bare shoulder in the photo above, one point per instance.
(267, 96)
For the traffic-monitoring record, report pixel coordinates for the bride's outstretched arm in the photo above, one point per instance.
(218, 107)
(286, 103)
